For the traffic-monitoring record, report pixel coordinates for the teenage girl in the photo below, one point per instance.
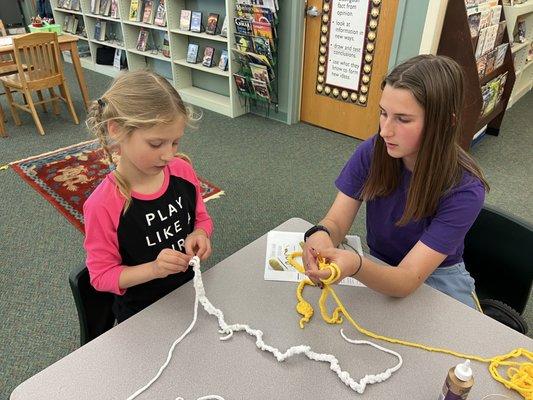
(422, 191)
(147, 218)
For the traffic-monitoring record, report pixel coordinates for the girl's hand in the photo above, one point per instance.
(197, 243)
(346, 260)
(319, 240)
(169, 262)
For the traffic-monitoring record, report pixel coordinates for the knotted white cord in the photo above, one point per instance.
(228, 330)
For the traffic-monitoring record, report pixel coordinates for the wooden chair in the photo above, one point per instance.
(40, 51)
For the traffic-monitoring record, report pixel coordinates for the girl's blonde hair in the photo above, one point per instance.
(136, 100)
(436, 82)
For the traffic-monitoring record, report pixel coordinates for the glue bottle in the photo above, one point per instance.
(458, 382)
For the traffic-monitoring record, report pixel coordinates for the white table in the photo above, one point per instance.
(119, 362)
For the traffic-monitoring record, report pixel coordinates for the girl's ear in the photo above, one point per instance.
(113, 129)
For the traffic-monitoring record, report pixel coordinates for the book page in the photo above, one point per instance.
(281, 244)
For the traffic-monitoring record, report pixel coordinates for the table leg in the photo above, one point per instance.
(75, 57)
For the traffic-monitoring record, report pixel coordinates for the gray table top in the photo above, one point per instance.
(116, 364)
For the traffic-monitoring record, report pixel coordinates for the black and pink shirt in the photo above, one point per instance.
(115, 240)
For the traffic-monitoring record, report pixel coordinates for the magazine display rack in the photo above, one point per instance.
(161, 46)
(520, 30)
(487, 91)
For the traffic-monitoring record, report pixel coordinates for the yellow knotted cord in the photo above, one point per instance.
(520, 374)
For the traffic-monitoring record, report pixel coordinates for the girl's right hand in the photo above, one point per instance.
(169, 262)
(319, 240)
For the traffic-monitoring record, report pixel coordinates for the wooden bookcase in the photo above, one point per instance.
(523, 60)
(210, 88)
(457, 43)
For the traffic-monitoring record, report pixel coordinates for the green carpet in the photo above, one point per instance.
(269, 171)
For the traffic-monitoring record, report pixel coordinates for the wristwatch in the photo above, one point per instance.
(315, 229)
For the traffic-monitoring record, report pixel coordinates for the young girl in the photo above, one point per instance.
(422, 191)
(147, 218)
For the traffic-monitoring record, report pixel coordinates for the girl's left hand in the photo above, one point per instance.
(197, 243)
(346, 261)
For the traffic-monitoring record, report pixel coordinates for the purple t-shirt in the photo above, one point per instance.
(443, 232)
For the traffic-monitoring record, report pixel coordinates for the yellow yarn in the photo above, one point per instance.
(520, 374)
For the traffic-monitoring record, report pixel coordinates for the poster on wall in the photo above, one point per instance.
(346, 43)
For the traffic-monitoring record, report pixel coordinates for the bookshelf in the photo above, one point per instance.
(210, 88)
(522, 51)
(457, 42)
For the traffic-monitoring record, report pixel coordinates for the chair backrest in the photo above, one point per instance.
(40, 52)
(94, 308)
(499, 256)
(4, 58)
(2, 29)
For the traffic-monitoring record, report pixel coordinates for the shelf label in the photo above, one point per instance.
(346, 42)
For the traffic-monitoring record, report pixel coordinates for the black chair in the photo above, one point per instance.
(499, 256)
(94, 308)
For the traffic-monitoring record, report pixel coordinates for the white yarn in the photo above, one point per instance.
(228, 330)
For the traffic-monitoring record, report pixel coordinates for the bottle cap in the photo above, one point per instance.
(463, 371)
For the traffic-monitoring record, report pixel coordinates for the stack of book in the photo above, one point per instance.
(256, 49)
(149, 12)
(73, 5)
(70, 24)
(487, 33)
(107, 8)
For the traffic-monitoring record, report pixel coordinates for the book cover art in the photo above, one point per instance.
(212, 22)
(165, 48)
(485, 18)
(134, 10)
(207, 60)
(224, 29)
(185, 20)
(148, 13)
(496, 12)
(242, 83)
(501, 50)
(260, 88)
(105, 7)
(95, 6)
(263, 29)
(473, 23)
(196, 21)
(499, 34)
(481, 65)
(161, 14)
(503, 79)
(480, 42)
(262, 47)
(97, 29)
(192, 53)
(114, 9)
(223, 62)
(490, 38)
(491, 58)
(243, 26)
(259, 72)
(244, 42)
(142, 39)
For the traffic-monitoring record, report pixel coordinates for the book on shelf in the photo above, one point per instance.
(66, 23)
(95, 6)
(114, 9)
(260, 88)
(165, 48)
(244, 42)
(192, 53)
(242, 83)
(185, 20)
(223, 61)
(263, 29)
(105, 7)
(270, 4)
(496, 13)
(196, 21)
(520, 30)
(492, 92)
(142, 39)
(224, 28)
(481, 64)
(500, 55)
(61, 3)
(490, 60)
(259, 72)
(212, 23)
(100, 30)
(473, 23)
(66, 4)
(75, 24)
(490, 38)
(480, 41)
(161, 14)
(148, 12)
(75, 5)
(207, 60)
(255, 13)
(243, 26)
(135, 12)
(262, 47)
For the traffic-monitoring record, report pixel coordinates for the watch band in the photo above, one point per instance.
(315, 229)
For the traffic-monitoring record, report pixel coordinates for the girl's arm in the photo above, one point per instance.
(338, 221)
(398, 281)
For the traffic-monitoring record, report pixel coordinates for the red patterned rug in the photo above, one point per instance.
(66, 177)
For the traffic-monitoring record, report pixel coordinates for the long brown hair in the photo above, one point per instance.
(135, 100)
(436, 82)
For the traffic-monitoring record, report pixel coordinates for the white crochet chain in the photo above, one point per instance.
(228, 330)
